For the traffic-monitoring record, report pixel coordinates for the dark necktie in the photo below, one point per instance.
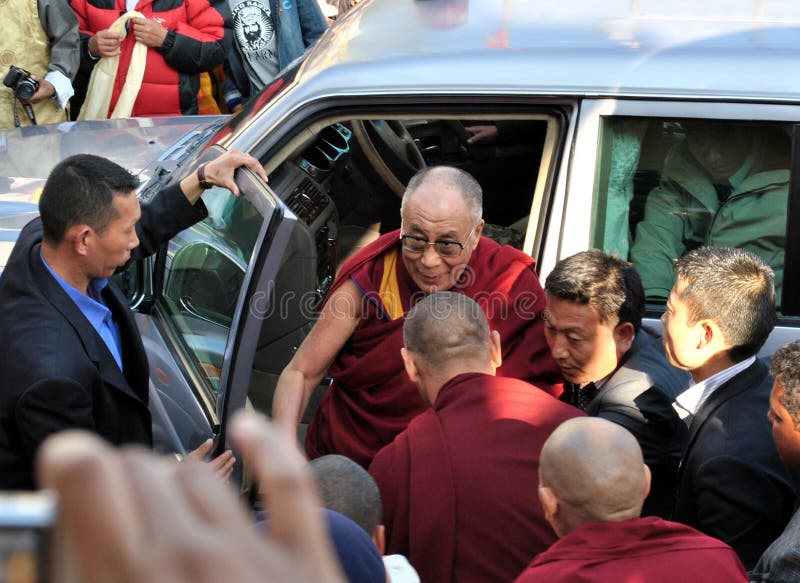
(582, 395)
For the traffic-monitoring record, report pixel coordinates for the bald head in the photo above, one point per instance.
(446, 327)
(347, 488)
(595, 470)
(448, 177)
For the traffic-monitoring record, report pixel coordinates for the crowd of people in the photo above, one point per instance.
(97, 59)
(479, 427)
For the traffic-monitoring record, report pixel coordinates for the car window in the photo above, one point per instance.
(205, 271)
(667, 186)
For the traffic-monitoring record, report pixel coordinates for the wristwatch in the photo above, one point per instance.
(201, 176)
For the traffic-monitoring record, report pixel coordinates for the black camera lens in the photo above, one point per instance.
(21, 83)
(26, 88)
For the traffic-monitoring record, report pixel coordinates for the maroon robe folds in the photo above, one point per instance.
(372, 399)
(648, 549)
(459, 485)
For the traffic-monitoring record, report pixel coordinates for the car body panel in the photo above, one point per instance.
(28, 154)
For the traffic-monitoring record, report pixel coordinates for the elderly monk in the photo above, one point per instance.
(592, 484)
(458, 485)
(358, 336)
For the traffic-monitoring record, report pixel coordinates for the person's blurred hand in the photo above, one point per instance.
(484, 134)
(128, 516)
(222, 465)
(149, 32)
(105, 43)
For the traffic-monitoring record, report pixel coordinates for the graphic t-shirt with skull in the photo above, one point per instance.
(254, 29)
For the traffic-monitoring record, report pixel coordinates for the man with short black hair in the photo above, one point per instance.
(72, 355)
(347, 488)
(780, 563)
(731, 482)
(613, 368)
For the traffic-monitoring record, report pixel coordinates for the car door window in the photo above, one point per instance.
(205, 272)
(667, 186)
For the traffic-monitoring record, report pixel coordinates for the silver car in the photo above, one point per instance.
(571, 115)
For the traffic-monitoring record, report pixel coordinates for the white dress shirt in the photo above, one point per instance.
(689, 402)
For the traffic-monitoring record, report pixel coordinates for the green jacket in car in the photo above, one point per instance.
(685, 212)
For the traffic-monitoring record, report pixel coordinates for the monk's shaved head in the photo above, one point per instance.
(347, 488)
(596, 471)
(448, 176)
(446, 327)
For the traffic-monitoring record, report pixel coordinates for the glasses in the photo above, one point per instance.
(444, 247)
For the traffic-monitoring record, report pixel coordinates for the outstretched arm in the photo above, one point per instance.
(337, 322)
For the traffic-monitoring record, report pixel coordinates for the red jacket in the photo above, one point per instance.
(195, 43)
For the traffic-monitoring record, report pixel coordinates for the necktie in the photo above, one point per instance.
(584, 395)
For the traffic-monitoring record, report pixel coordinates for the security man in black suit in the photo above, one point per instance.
(72, 356)
(732, 484)
(612, 367)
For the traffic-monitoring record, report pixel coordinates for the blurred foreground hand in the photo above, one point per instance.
(129, 516)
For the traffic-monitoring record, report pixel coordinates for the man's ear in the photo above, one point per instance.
(648, 477)
(410, 364)
(479, 231)
(549, 503)
(79, 237)
(711, 334)
(379, 538)
(495, 349)
(623, 337)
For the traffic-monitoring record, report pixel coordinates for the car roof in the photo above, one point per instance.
(720, 49)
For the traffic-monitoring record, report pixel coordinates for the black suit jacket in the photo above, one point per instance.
(638, 396)
(57, 371)
(731, 484)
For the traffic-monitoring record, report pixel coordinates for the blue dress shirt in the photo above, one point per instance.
(96, 311)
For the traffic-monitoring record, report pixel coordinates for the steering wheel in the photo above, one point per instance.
(390, 150)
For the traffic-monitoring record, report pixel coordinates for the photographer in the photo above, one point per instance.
(44, 44)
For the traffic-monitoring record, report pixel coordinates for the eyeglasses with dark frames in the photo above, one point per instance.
(444, 247)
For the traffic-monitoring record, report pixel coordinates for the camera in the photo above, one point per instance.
(26, 521)
(21, 83)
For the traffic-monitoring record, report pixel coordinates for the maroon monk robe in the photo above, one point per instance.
(459, 485)
(647, 549)
(372, 399)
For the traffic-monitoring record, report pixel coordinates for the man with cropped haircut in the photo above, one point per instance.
(780, 563)
(347, 488)
(72, 355)
(614, 369)
(459, 484)
(731, 482)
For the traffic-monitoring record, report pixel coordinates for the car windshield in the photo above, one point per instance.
(176, 156)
